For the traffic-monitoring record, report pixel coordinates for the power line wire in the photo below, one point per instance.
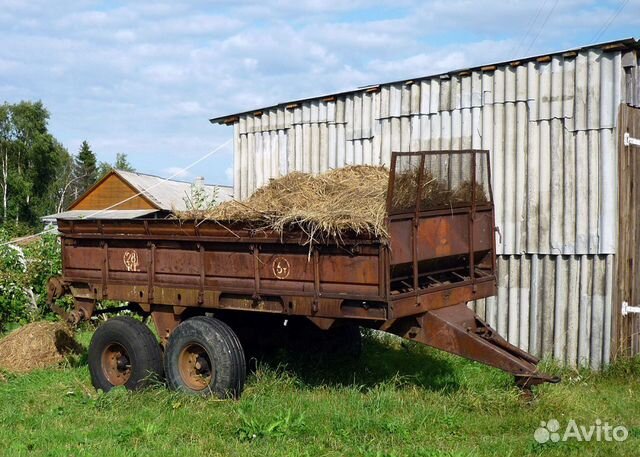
(544, 23)
(530, 25)
(612, 18)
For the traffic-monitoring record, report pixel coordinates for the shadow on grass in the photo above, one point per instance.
(78, 357)
(383, 361)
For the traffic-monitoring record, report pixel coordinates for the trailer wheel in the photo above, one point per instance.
(205, 357)
(124, 352)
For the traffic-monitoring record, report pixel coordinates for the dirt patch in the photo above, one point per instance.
(37, 345)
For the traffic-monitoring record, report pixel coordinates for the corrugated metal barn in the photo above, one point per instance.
(563, 178)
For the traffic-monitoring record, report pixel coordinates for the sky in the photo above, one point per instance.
(144, 78)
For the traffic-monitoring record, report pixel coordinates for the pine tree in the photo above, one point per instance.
(122, 163)
(86, 169)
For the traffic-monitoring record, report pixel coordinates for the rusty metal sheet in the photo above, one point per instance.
(351, 270)
(406, 305)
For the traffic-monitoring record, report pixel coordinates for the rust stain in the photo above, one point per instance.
(442, 246)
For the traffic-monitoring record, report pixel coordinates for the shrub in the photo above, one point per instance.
(24, 272)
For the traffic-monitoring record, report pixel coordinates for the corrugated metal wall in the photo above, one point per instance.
(559, 305)
(550, 125)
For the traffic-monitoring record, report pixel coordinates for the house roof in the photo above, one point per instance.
(163, 195)
(169, 194)
(77, 214)
(627, 43)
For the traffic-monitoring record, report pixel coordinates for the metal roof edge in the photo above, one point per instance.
(85, 214)
(140, 192)
(630, 43)
(120, 172)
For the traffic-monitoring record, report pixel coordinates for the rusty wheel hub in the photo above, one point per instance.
(195, 367)
(116, 364)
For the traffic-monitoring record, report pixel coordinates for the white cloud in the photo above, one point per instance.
(187, 108)
(176, 173)
(165, 73)
(7, 65)
(125, 36)
(444, 59)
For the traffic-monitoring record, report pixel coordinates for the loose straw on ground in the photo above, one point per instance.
(37, 345)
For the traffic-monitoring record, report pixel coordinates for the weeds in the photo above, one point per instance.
(252, 428)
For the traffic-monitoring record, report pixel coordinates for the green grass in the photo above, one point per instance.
(400, 399)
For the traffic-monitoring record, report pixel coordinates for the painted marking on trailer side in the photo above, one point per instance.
(281, 268)
(130, 259)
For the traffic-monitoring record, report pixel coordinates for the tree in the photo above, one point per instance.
(103, 169)
(122, 163)
(7, 138)
(30, 158)
(65, 183)
(86, 169)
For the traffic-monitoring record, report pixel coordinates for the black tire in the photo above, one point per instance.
(204, 357)
(140, 360)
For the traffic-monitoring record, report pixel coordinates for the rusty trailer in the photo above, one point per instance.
(212, 288)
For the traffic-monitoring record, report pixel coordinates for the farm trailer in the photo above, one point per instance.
(211, 288)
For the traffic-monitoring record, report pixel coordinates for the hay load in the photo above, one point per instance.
(37, 345)
(326, 206)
